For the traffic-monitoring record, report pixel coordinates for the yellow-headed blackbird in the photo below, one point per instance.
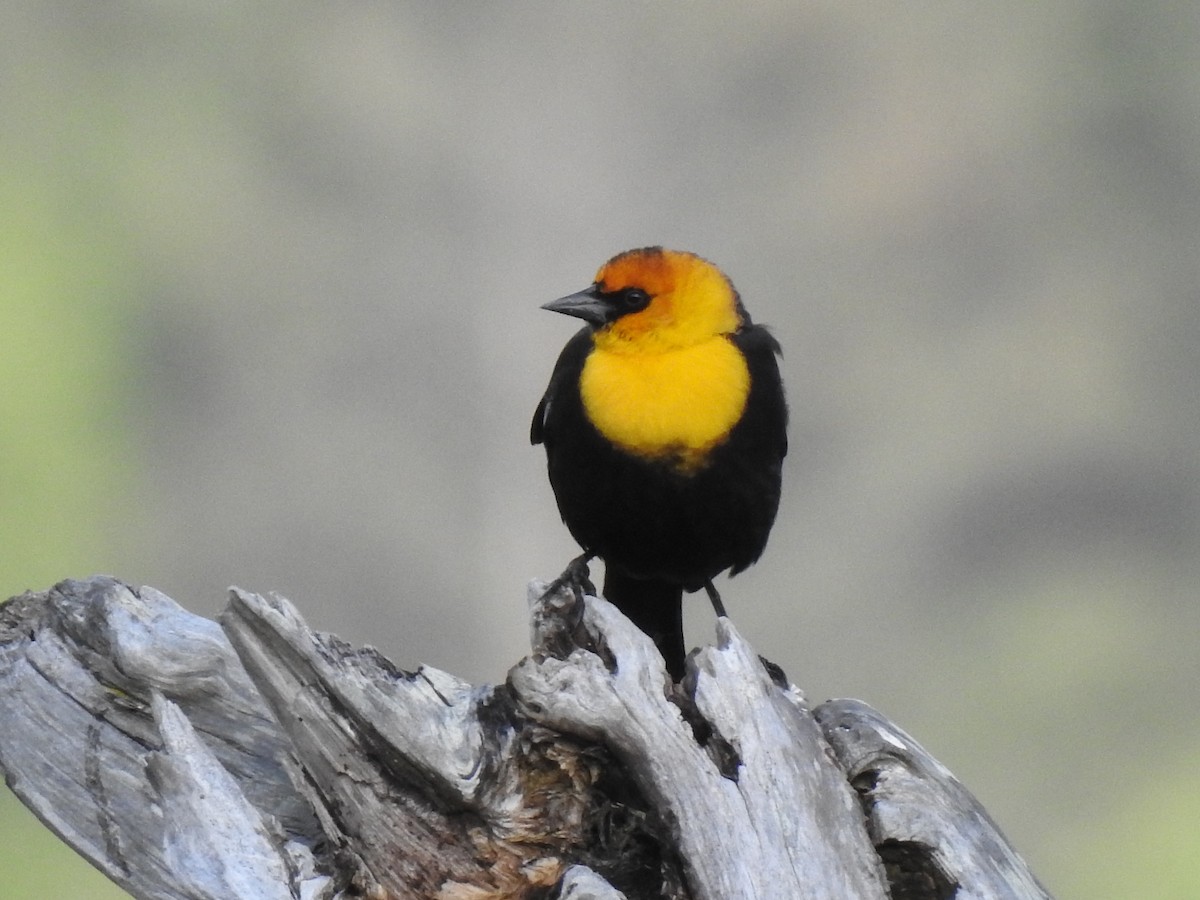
(665, 432)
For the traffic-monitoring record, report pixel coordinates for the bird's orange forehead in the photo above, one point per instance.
(654, 270)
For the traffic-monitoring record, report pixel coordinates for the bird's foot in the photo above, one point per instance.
(576, 576)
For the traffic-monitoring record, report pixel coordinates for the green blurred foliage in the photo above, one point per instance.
(1157, 817)
(63, 466)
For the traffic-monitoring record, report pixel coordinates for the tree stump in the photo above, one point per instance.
(254, 758)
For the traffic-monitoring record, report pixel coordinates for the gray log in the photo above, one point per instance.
(765, 814)
(257, 759)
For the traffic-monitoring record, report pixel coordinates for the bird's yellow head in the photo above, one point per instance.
(663, 381)
(654, 299)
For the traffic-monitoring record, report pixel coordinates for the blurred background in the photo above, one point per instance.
(269, 288)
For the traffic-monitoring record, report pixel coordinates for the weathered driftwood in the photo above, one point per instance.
(257, 759)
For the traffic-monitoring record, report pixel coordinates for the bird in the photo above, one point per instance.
(665, 429)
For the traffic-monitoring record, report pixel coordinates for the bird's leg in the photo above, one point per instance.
(577, 576)
(718, 606)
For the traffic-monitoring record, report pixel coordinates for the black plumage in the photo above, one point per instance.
(663, 528)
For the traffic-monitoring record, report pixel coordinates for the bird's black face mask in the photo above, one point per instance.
(598, 307)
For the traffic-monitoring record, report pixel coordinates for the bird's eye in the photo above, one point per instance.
(633, 299)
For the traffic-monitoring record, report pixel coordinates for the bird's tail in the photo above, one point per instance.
(654, 606)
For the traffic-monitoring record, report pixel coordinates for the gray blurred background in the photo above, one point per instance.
(269, 288)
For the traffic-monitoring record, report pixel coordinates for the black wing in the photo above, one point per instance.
(768, 406)
(565, 377)
(538, 426)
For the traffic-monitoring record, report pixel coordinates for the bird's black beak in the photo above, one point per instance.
(589, 305)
